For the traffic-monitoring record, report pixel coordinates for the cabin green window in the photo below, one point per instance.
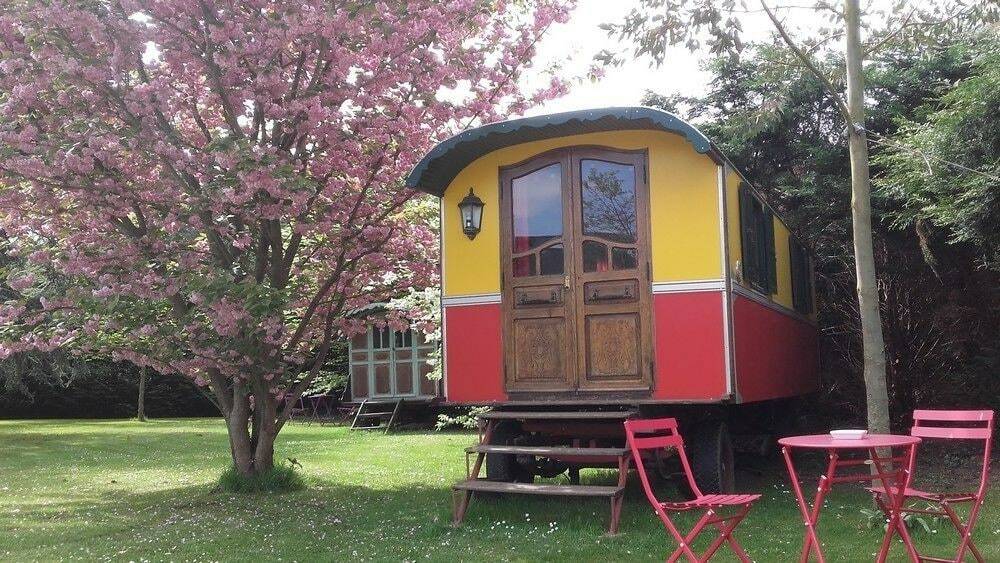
(801, 266)
(390, 363)
(757, 238)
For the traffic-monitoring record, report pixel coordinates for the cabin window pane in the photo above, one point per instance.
(608, 200)
(360, 341)
(537, 207)
(623, 258)
(359, 380)
(551, 260)
(524, 266)
(595, 256)
(404, 339)
(404, 378)
(382, 379)
(380, 338)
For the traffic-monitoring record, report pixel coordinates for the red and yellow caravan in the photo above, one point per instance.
(617, 259)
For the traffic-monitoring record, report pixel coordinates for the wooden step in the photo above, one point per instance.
(483, 485)
(547, 451)
(375, 414)
(557, 415)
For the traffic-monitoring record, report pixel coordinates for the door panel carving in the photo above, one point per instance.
(612, 347)
(538, 347)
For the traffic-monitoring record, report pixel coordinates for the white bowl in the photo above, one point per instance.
(848, 434)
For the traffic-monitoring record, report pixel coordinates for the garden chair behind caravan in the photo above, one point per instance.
(976, 425)
(657, 434)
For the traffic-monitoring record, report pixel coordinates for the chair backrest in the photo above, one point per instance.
(652, 435)
(958, 425)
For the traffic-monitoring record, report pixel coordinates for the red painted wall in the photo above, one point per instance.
(473, 354)
(777, 355)
(690, 351)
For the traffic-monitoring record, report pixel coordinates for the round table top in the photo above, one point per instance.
(828, 442)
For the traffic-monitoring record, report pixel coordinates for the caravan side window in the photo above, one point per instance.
(801, 265)
(757, 238)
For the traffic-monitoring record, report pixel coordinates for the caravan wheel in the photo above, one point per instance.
(711, 454)
(505, 467)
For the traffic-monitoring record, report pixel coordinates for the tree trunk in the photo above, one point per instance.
(238, 425)
(265, 411)
(861, 213)
(141, 404)
(252, 425)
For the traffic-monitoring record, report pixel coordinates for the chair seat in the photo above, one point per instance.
(711, 501)
(925, 495)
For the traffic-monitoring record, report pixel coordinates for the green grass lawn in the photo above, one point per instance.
(123, 490)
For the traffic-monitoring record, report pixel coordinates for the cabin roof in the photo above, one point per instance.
(440, 166)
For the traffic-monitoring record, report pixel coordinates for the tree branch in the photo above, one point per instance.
(300, 387)
(802, 56)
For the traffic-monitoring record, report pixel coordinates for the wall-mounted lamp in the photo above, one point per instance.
(472, 214)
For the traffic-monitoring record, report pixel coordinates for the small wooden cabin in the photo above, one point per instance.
(619, 258)
(388, 364)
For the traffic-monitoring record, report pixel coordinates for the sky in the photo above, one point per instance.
(578, 40)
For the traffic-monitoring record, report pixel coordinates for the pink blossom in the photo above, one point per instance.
(206, 214)
(22, 282)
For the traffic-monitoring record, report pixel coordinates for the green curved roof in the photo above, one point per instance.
(440, 166)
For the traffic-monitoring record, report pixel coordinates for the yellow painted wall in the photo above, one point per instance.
(684, 208)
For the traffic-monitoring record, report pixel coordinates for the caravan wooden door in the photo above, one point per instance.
(576, 288)
(539, 322)
(611, 259)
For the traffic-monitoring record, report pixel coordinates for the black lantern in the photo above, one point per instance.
(472, 214)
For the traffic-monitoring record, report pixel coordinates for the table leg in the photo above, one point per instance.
(903, 476)
(810, 517)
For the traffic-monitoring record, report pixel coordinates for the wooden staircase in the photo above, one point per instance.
(463, 490)
(372, 414)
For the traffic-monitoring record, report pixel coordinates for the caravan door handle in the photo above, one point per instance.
(566, 282)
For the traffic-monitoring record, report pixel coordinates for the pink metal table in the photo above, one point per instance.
(894, 478)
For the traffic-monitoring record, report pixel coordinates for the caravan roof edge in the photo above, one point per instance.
(439, 167)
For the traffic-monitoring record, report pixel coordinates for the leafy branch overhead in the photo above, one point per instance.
(718, 28)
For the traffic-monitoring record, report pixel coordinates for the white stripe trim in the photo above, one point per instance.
(689, 286)
(481, 299)
(726, 305)
(659, 287)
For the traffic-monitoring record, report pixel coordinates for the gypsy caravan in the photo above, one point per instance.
(613, 260)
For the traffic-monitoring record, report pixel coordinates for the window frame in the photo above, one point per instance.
(800, 265)
(758, 257)
(419, 353)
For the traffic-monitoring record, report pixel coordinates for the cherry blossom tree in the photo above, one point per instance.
(206, 187)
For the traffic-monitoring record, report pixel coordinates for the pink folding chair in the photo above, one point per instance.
(950, 425)
(657, 434)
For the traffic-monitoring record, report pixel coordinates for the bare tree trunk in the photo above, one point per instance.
(141, 405)
(251, 421)
(267, 430)
(238, 425)
(861, 212)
